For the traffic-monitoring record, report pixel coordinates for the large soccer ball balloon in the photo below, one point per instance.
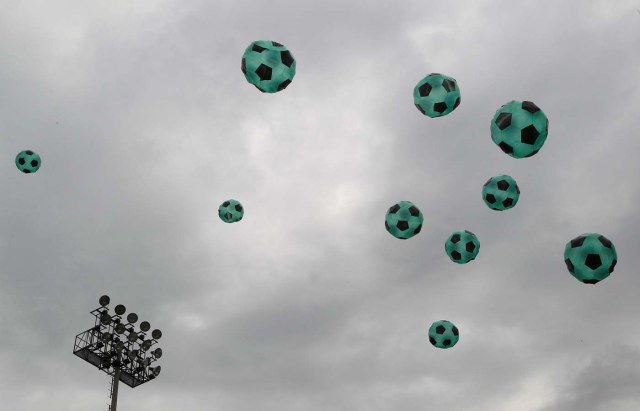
(443, 334)
(268, 65)
(500, 193)
(436, 95)
(462, 246)
(28, 161)
(230, 211)
(519, 128)
(403, 220)
(590, 257)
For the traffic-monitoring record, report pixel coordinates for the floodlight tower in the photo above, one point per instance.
(116, 348)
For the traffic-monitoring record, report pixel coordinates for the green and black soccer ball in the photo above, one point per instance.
(462, 246)
(230, 211)
(590, 257)
(28, 161)
(268, 65)
(519, 128)
(436, 95)
(403, 220)
(443, 334)
(500, 192)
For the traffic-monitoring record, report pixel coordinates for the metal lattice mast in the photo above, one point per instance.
(114, 347)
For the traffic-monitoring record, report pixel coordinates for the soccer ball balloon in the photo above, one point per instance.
(443, 334)
(590, 257)
(231, 211)
(500, 193)
(28, 161)
(436, 95)
(403, 220)
(268, 65)
(519, 128)
(462, 246)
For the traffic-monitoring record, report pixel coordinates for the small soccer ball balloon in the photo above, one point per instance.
(462, 246)
(443, 334)
(590, 257)
(436, 95)
(500, 192)
(28, 161)
(403, 220)
(519, 128)
(268, 65)
(231, 211)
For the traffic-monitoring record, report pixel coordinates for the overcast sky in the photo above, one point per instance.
(146, 124)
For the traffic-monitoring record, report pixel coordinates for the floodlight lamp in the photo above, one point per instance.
(120, 328)
(120, 309)
(157, 334)
(132, 318)
(132, 337)
(145, 326)
(105, 318)
(155, 370)
(104, 300)
(146, 345)
(119, 346)
(157, 352)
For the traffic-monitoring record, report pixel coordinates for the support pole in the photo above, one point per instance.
(114, 389)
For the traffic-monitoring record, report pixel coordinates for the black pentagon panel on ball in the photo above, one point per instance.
(446, 342)
(21, 161)
(457, 103)
(570, 266)
(490, 198)
(260, 89)
(386, 225)
(470, 247)
(593, 261)
(433, 74)
(226, 204)
(264, 72)
(420, 108)
(284, 85)
(529, 135)
(468, 232)
(578, 241)
(455, 238)
(613, 264)
(424, 90)
(456, 255)
(448, 85)
(418, 229)
(487, 183)
(29, 152)
(243, 66)
(594, 281)
(505, 147)
(276, 44)
(455, 331)
(503, 120)
(440, 329)
(34, 163)
(532, 153)
(227, 215)
(517, 189)
(604, 241)
(503, 185)
(507, 202)
(432, 340)
(440, 107)
(402, 225)
(238, 208)
(286, 57)
(394, 208)
(258, 49)
(413, 210)
(530, 107)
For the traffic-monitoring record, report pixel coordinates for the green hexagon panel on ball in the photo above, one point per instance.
(462, 246)
(590, 257)
(403, 220)
(443, 334)
(519, 128)
(231, 211)
(268, 65)
(500, 193)
(28, 161)
(436, 95)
